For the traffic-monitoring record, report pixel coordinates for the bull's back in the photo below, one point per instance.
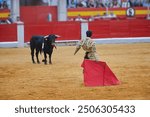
(36, 42)
(37, 39)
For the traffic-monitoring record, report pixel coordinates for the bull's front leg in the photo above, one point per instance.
(50, 61)
(50, 56)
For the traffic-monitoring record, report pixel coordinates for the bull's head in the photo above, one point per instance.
(51, 38)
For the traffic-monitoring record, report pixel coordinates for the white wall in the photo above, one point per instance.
(62, 10)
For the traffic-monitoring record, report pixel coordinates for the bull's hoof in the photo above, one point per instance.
(43, 60)
(38, 62)
(33, 62)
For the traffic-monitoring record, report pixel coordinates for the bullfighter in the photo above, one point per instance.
(88, 46)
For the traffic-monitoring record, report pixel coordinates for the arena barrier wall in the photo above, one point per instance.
(120, 28)
(109, 31)
(12, 35)
(8, 32)
(67, 30)
(38, 14)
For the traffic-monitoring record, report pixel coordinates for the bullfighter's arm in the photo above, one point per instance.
(78, 47)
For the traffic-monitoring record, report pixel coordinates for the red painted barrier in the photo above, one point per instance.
(100, 28)
(120, 28)
(8, 32)
(139, 28)
(67, 30)
(72, 30)
(37, 14)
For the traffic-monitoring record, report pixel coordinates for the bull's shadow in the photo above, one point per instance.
(45, 44)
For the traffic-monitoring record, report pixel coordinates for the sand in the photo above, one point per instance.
(63, 80)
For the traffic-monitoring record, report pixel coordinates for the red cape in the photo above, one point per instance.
(97, 73)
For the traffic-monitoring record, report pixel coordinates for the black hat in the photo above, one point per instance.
(88, 33)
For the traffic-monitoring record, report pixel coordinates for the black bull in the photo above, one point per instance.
(47, 42)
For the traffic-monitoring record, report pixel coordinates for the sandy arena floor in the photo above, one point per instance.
(20, 79)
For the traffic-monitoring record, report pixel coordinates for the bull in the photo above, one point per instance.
(45, 44)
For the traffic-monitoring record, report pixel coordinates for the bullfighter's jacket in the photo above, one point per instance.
(88, 45)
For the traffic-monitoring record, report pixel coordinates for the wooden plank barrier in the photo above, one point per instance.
(120, 28)
(8, 32)
(67, 30)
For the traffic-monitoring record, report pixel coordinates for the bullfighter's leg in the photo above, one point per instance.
(32, 55)
(37, 53)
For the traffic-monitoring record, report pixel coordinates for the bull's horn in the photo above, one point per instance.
(57, 36)
(46, 36)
